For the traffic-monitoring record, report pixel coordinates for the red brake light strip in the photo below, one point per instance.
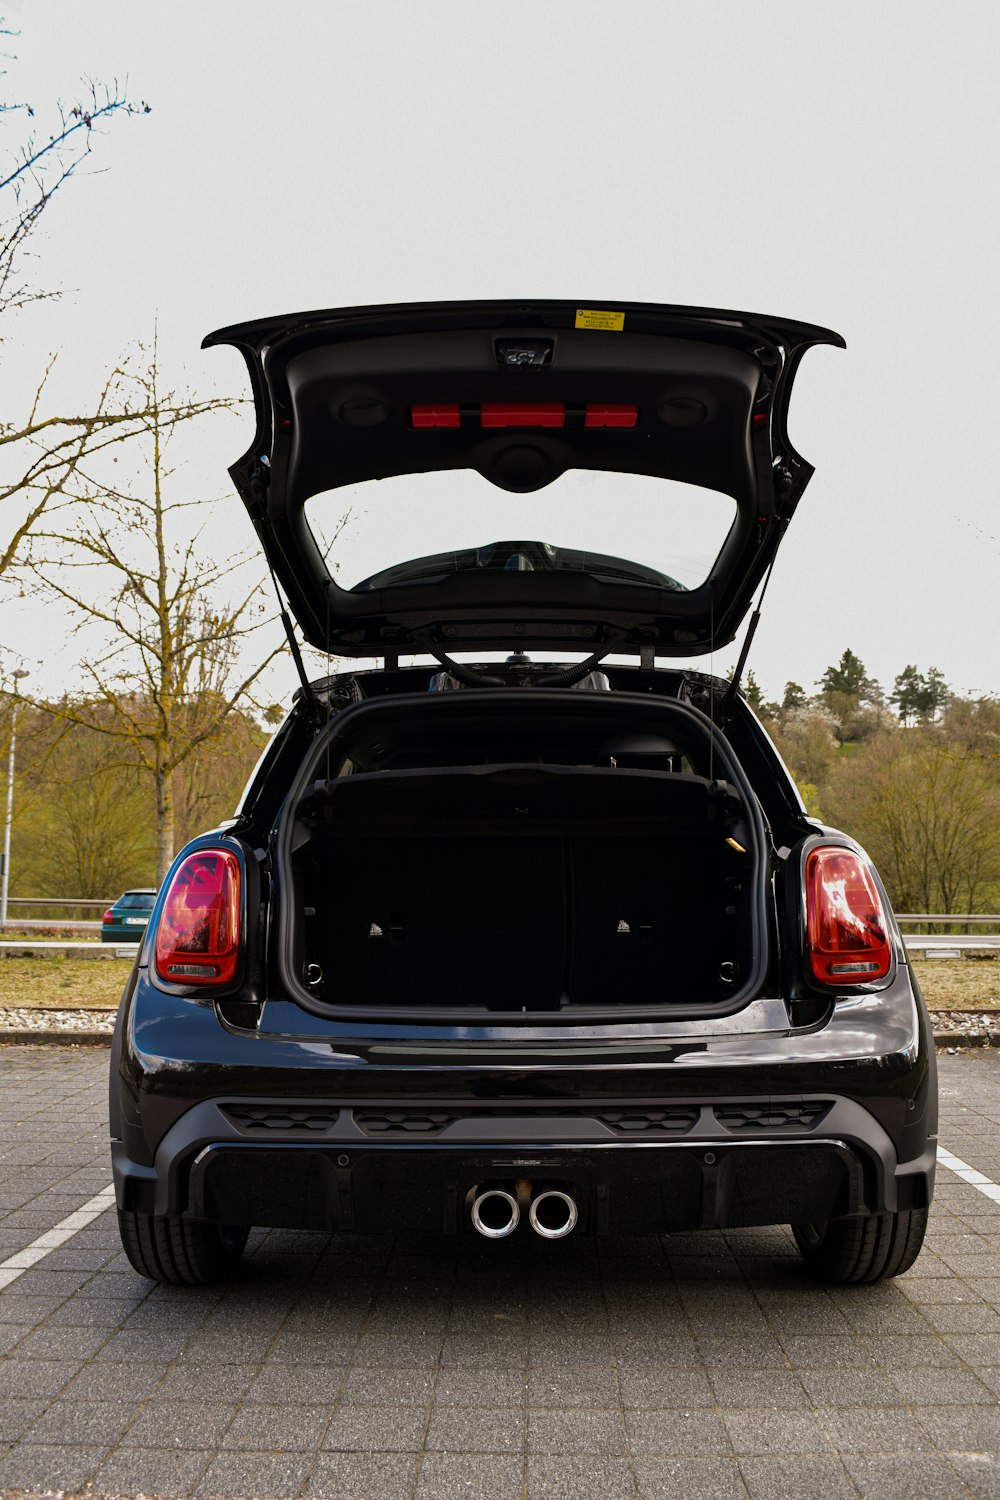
(496, 414)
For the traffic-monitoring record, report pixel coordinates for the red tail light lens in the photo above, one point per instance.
(845, 922)
(109, 916)
(443, 414)
(522, 414)
(599, 414)
(198, 937)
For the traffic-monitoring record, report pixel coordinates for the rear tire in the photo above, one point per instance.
(184, 1252)
(862, 1249)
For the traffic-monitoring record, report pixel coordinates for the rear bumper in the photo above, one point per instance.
(691, 1128)
(327, 1173)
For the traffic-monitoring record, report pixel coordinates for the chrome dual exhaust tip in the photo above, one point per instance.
(553, 1214)
(495, 1213)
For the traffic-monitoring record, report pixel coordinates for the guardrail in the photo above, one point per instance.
(85, 901)
(938, 919)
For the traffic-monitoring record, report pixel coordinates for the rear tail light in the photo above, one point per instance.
(198, 937)
(109, 916)
(846, 927)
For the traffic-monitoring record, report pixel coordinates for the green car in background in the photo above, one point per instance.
(125, 921)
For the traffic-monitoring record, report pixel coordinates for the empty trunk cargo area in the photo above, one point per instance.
(522, 888)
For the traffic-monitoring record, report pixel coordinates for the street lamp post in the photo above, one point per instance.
(5, 882)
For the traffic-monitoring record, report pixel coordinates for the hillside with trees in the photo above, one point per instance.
(914, 774)
(85, 806)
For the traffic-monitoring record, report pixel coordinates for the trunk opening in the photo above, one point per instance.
(522, 887)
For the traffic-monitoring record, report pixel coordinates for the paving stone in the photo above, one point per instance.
(137, 1345)
(76, 1422)
(677, 1433)
(390, 1349)
(852, 1387)
(793, 1477)
(376, 1429)
(975, 1429)
(885, 1431)
(62, 1343)
(915, 1477)
(458, 1385)
(909, 1353)
(566, 1478)
(277, 1429)
(767, 1390)
(11, 1334)
(349, 1476)
(179, 1424)
(443, 1476)
(932, 1387)
(840, 1352)
(35, 1377)
(31, 1466)
(17, 1413)
(576, 1432)
(573, 1385)
(99, 1381)
(678, 1351)
(787, 1432)
(308, 1383)
(16, 1307)
(476, 1429)
(91, 1312)
(150, 1471)
(690, 1478)
(255, 1476)
(980, 1472)
(194, 1382)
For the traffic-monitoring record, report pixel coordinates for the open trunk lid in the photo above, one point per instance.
(521, 393)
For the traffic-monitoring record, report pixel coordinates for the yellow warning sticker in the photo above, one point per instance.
(591, 317)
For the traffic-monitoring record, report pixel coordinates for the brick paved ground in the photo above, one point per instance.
(689, 1366)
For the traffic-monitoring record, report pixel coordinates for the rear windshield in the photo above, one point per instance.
(625, 527)
(141, 899)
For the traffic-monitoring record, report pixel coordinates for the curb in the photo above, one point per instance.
(58, 1038)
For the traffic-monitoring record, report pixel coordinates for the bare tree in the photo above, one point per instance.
(39, 450)
(36, 171)
(46, 453)
(126, 561)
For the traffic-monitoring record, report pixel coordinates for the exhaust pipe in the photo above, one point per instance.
(553, 1214)
(495, 1213)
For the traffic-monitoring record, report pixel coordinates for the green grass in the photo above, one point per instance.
(73, 983)
(97, 983)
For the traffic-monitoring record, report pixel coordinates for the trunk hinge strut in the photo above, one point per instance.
(729, 699)
(308, 696)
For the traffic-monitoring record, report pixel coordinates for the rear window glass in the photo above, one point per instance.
(136, 899)
(662, 531)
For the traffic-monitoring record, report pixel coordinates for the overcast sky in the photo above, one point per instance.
(835, 163)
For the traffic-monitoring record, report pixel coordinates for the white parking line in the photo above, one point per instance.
(15, 1265)
(962, 1169)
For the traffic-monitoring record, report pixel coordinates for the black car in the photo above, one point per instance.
(539, 937)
